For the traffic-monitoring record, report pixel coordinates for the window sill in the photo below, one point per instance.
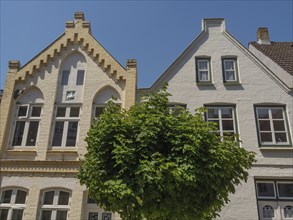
(283, 148)
(232, 84)
(22, 151)
(204, 84)
(58, 151)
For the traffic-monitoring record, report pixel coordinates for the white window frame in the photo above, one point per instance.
(27, 119)
(266, 197)
(272, 131)
(198, 70)
(225, 70)
(55, 207)
(220, 119)
(95, 107)
(66, 119)
(12, 206)
(280, 182)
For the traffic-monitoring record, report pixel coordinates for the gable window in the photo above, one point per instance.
(55, 205)
(203, 73)
(230, 74)
(80, 77)
(98, 110)
(65, 77)
(27, 125)
(66, 126)
(274, 198)
(12, 204)
(272, 126)
(224, 118)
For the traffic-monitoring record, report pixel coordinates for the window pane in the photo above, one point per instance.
(266, 137)
(229, 64)
(17, 214)
(268, 212)
(263, 113)
(277, 113)
(93, 216)
(288, 212)
(202, 64)
(18, 134)
(71, 134)
(65, 77)
(36, 111)
(230, 75)
(20, 197)
(281, 137)
(61, 111)
(74, 112)
(22, 110)
(61, 215)
(63, 198)
(285, 190)
(58, 133)
(46, 214)
(99, 111)
(32, 133)
(48, 198)
(203, 75)
(264, 125)
(226, 112)
(106, 216)
(80, 77)
(4, 214)
(265, 190)
(279, 125)
(213, 113)
(228, 125)
(6, 196)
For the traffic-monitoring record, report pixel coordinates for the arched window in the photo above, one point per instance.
(12, 203)
(27, 118)
(268, 212)
(288, 212)
(102, 98)
(55, 204)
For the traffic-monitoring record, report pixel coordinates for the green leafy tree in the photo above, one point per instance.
(150, 163)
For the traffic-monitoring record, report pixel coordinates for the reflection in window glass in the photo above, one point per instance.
(65, 77)
(20, 197)
(265, 190)
(268, 212)
(80, 77)
(285, 190)
(48, 198)
(288, 212)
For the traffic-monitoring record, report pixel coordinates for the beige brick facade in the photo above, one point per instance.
(42, 167)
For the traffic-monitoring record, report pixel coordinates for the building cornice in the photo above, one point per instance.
(34, 167)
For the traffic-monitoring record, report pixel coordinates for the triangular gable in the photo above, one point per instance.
(158, 83)
(77, 32)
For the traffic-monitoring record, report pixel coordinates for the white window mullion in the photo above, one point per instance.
(64, 135)
(272, 126)
(25, 133)
(220, 122)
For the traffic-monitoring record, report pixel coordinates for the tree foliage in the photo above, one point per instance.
(150, 163)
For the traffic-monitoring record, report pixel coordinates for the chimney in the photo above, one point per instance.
(262, 35)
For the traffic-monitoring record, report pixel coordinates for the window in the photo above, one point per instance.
(12, 204)
(94, 212)
(274, 199)
(288, 211)
(80, 77)
(65, 77)
(203, 73)
(27, 125)
(98, 110)
(230, 70)
(224, 118)
(55, 205)
(272, 126)
(176, 108)
(66, 126)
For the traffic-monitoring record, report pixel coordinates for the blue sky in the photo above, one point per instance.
(153, 32)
